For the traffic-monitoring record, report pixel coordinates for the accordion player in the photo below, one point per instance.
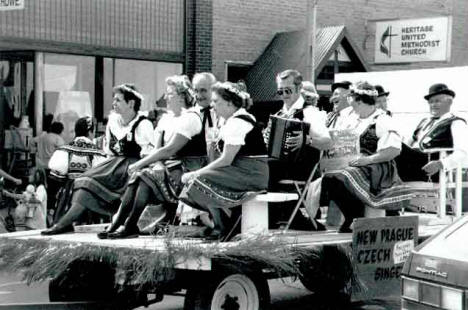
(280, 129)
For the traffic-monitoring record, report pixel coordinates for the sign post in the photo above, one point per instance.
(413, 40)
(380, 248)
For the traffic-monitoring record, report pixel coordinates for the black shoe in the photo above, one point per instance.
(214, 235)
(345, 227)
(123, 234)
(57, 230)
(103, 234)
(319, 226)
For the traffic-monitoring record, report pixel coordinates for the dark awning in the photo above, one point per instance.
(287, 50)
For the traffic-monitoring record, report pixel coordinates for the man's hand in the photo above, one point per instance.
(17, 181)
(295, 142)
(433, 167)
(361, 161)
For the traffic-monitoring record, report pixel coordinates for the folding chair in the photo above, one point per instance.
(301, 188)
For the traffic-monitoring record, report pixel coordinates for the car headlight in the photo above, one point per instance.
(410, 289)
(452, 298)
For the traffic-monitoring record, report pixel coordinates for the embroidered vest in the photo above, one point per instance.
(439, 136)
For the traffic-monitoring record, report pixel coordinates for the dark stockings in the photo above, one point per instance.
(134, 201)
(349, 205)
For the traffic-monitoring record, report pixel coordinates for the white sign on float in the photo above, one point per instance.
(8, 5)
(413, 40)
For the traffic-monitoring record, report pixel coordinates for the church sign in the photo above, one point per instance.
(413, 40)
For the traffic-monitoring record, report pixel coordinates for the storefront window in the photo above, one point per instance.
(148, 76)
(68, 89)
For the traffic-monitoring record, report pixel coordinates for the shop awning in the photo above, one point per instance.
(287, 50)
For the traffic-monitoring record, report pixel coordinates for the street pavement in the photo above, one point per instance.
(285, 295)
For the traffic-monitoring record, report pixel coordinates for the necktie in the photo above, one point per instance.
(207, 117)
(430, 123)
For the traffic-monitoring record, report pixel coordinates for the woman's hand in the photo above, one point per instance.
(133, 168)
(188, 177)
(361, 161)
(17, 181)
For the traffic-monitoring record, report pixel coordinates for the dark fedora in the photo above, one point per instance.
(343, 84)
(438, 89)
(381, 91)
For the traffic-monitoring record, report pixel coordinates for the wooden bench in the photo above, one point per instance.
(255, 211)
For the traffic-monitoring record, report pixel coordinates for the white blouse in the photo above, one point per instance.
(235, 129)
(385, 129)
(144, 133)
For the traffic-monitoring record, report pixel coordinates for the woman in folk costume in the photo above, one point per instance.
(181, 148)
(129, 137)
(372, 179)
(241, 168)
(70, 161)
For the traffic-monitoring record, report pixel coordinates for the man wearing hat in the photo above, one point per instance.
(309, 93)
(441, 130)
(381, 101)
(341, 107)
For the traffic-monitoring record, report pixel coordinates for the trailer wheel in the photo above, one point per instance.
(326, 271)
(236, 291)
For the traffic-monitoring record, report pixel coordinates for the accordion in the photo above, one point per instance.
(280, 129)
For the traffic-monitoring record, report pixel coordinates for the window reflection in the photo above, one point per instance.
(68, 89)
(148, 76)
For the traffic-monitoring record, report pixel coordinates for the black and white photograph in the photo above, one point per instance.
(233, 154)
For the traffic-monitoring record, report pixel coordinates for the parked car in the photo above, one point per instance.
(435, 276)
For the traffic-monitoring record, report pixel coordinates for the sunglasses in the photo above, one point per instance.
(287, 91)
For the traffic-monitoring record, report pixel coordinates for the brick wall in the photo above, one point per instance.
(242, 29)
(199, 36)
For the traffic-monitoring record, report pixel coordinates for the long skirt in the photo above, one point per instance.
(377, 186)
(229, 186)
(100, 188)
(166, 184)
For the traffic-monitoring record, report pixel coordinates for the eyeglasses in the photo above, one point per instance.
(286, 90)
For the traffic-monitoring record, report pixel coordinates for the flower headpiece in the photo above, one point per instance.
(229, 87)
(130, 90)
(367, 92)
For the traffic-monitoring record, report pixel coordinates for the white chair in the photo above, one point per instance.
(436, 196)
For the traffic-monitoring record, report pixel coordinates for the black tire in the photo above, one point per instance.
(234, 291)
(83, 281)
(326, 271)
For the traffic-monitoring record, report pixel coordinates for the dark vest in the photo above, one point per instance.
(254, 144)
(196, 146)
(438, 137)
(126, 146)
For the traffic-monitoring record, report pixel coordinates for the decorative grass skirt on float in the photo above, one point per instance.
(101, 188)
(229, 186)
(376, 185)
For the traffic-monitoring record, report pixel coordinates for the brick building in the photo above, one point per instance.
(60, 54)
